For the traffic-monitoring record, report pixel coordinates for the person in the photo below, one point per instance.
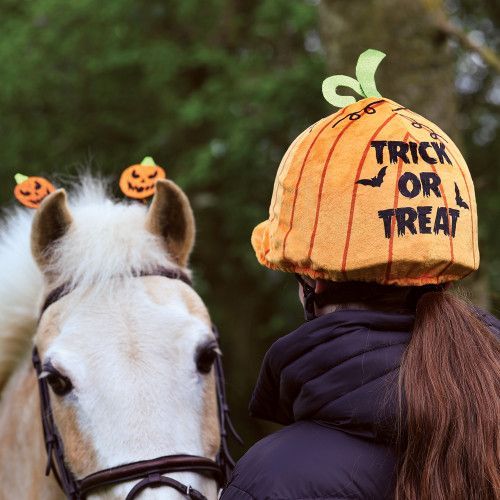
(390, 389)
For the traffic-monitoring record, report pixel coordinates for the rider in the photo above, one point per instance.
(390, 389)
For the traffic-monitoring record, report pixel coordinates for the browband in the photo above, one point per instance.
(61, 291)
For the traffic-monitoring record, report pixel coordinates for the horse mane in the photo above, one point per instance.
(20, 287)
(107, 239)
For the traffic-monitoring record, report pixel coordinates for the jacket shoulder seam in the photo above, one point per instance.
(239, 489)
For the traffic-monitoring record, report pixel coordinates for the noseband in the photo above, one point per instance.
(150, 471)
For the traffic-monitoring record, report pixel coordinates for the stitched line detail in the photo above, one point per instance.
(384, 346)
(345, 496)
(239, 489)
(314, 346)
(367, 327)
(356, 388)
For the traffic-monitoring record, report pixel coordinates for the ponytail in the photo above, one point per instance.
(448, 438)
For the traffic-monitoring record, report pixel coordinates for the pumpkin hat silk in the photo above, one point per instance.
(374, 193)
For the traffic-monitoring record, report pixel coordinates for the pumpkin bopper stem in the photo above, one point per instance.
(148, 161)
(20, 178)
(364, 84)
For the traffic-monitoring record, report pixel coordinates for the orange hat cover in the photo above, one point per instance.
(374, 192)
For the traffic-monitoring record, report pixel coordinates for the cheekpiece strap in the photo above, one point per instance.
(150, 470)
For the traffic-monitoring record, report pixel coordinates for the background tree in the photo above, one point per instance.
(215, 91)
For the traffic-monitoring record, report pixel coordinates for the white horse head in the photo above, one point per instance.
(127, 356)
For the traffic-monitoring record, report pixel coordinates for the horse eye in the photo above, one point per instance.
(60, 384)
(205, 357)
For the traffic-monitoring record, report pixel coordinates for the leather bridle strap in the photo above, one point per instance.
(150, 470)
(62, 290)
(156, 466)
(155, 480)
(53, 442)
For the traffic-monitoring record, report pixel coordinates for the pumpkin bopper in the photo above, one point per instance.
(138, 181)
(30, 191)
(374, 192)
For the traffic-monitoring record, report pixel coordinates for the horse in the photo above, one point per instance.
(125, 349)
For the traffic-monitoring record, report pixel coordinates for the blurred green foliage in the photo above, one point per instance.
(215, 91)
(478, 88)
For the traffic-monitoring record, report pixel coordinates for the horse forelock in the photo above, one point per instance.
(107, 239)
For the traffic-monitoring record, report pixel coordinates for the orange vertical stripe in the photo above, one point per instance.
(280, 170)
(470, 206)
(355, 190)
(443, 194)
(300, 176)
(323, 175)
(393, 222)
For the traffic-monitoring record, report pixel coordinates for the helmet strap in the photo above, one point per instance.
(309, 298)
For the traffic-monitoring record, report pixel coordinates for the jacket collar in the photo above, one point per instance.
(340, 369)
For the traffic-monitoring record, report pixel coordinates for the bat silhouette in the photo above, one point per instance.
(374, 181)
(460, 202)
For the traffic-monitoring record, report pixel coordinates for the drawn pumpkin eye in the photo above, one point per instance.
(59, 383)
(25, 193)
(135, 175)
(152, 176)
(37, 185)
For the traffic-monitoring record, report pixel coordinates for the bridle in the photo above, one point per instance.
(151, 471)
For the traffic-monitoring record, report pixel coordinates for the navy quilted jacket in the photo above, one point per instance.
(332, 383)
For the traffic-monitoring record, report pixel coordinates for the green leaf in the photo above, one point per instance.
(366, 67)
(20, 178)
(148, 161)
(365, 85)
(330, 86)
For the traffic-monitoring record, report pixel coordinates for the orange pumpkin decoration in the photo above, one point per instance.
(30, 191)
(138, 181)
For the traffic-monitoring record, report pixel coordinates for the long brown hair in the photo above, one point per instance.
(450, 405)
(448, 429)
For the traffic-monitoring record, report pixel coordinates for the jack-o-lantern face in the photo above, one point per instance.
(138, 181)
(30, 191)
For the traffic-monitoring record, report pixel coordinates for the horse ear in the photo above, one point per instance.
(171, 217)
(51, 221)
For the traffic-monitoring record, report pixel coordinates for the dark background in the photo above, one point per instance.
(215, 91)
